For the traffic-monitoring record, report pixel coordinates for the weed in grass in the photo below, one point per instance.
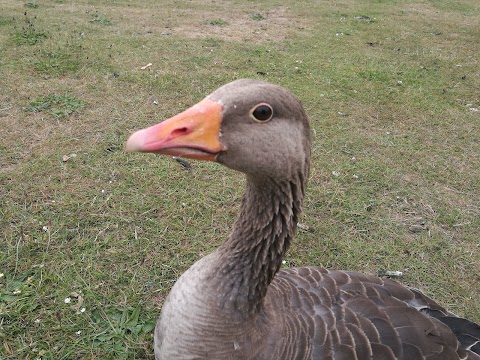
(365, 18)
(31, 5)
(374, 75)
(58, 61)
(117, 327)
(14, 290)
(6, 21)
(101, 21)
(56, 105)
(29, 35)
(258, 17)
(217, 22)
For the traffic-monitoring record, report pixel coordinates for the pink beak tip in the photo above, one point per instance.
(135, 142)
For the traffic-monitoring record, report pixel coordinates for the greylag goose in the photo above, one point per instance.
(236, 303)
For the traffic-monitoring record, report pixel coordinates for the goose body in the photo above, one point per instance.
(236, 303)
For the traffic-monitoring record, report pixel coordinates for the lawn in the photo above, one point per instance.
(92, 238)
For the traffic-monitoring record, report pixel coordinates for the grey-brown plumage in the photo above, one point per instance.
(236, 304)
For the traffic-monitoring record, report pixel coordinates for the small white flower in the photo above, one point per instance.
(45, 228)
(37, 321)
(67, 300)
(16, 291)
(78, 332)
(473, 109)
(284, 262)
(103, 191)
(82, 310)
(335, 173)
(355, 176)
(2, 275)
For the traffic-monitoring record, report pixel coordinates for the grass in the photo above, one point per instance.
(218, 22)
(29, 34)
(56, 105)
(394, 186)
(257, 17)
(32, 5)
(101, 20)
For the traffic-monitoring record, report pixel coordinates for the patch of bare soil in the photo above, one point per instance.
(276, 26)
(221, 22)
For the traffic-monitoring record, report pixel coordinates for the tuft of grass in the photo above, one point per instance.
(118, 328)
(31, 5)
(58, 60)
(6, 21)
(217, 22)
(101, 20)
(56, 105)
(29, 34)
(257, 17)
(365, 18)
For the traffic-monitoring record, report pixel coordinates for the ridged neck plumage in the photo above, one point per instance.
(253, 253)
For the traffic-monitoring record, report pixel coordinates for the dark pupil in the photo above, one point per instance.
(262, 112)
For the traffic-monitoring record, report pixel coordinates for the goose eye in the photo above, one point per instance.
(262, 112)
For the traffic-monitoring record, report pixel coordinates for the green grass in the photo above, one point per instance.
(28, 34)
(218, 22)
(56, 105)
(101, 20)
(257, 17)
(389, 87)
(32, 5)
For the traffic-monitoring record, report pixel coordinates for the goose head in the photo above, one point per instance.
(250, 126)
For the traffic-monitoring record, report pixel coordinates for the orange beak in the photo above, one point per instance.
(193, 134)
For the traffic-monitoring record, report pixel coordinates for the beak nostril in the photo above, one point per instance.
(179, 131)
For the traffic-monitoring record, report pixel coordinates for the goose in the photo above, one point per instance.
(237, 302)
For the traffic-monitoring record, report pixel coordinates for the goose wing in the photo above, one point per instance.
(327, 314)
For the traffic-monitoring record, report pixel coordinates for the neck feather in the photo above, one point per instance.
(253, 253)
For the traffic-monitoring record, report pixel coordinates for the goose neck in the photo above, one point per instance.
(253, 253)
